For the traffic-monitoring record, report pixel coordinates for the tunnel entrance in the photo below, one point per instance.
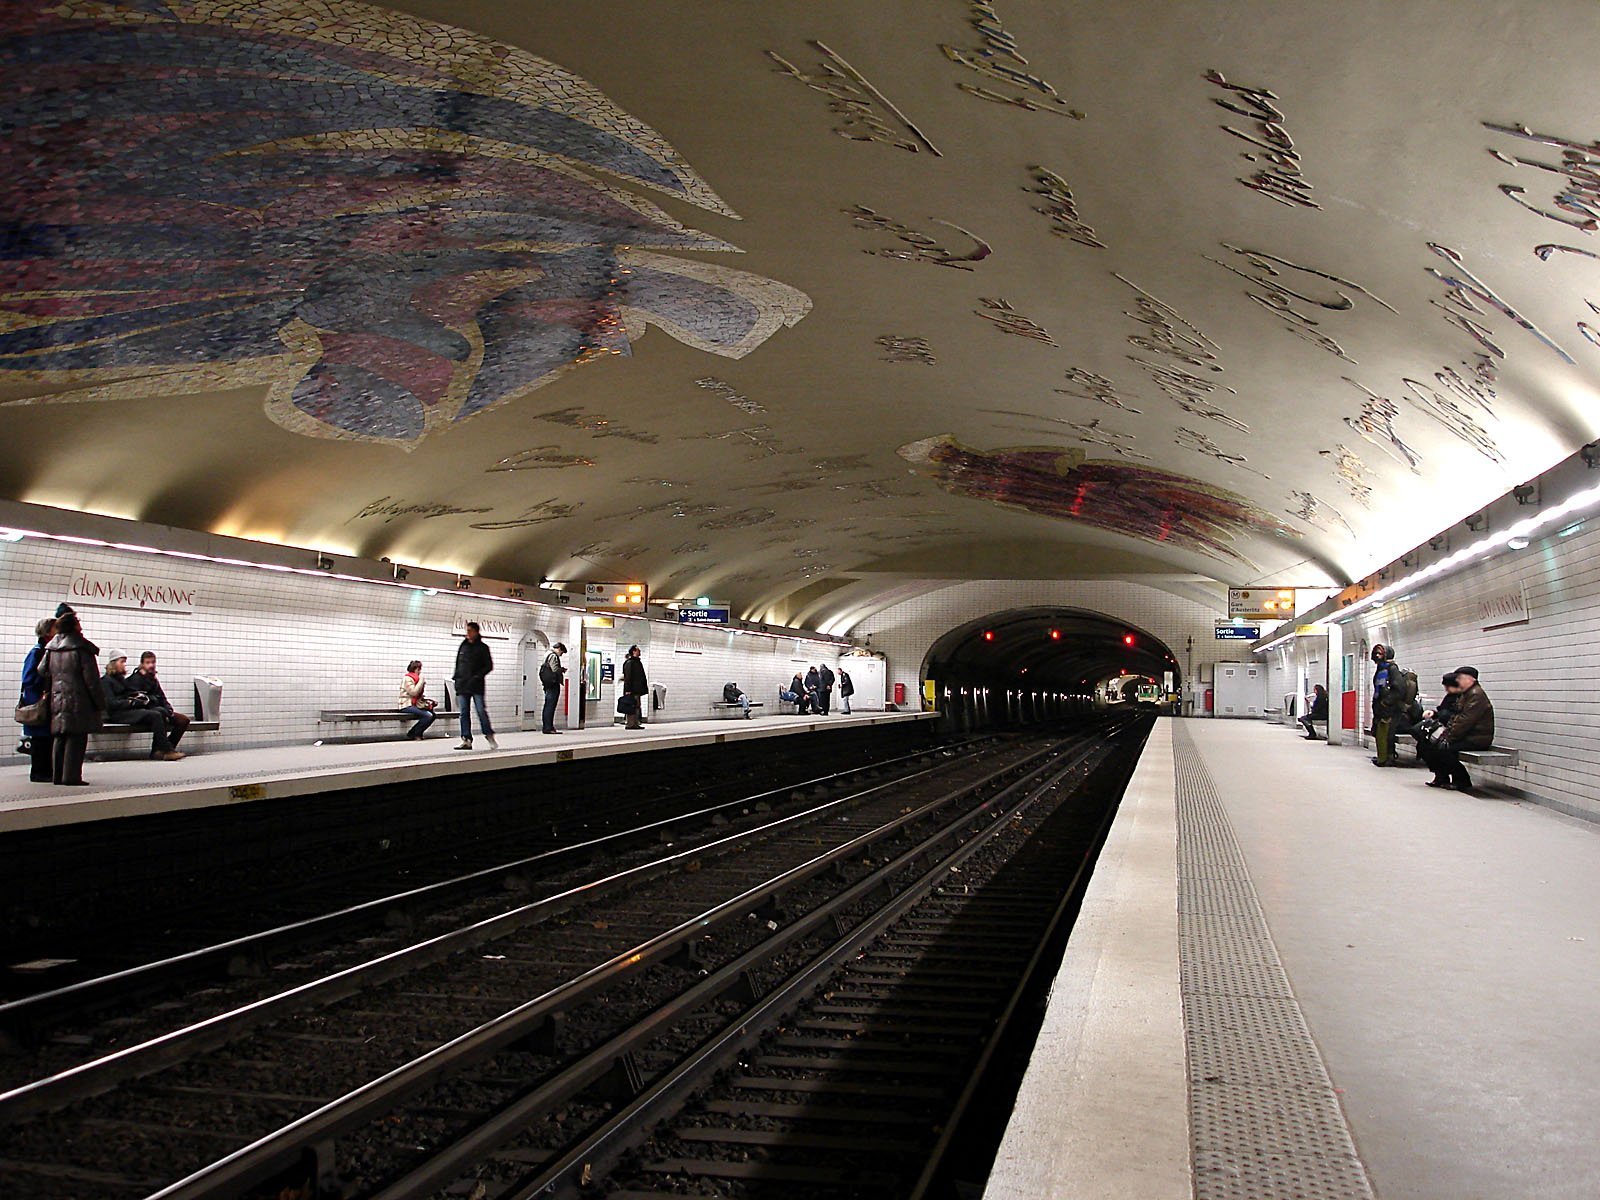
(1029, 664)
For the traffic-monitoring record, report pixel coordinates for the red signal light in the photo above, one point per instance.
(988, 635)
(1055, 635)
(1127, 639)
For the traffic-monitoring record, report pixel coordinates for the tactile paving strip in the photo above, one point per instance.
(1263, 1117)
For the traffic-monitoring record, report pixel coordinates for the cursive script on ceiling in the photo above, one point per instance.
(1293, 305)
(1061, 208)
(1352, 473)
(906, 350)
(1279, 176)
(923, 247)
(997, 57)
(1009, 320)
(865, 114)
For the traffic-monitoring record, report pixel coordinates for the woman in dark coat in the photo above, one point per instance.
(38, 736)
(634, 684)
(77, 704)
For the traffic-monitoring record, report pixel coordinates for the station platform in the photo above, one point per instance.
(1296, 975)
(138, 787)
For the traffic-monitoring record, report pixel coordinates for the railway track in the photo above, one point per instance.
(530, 993)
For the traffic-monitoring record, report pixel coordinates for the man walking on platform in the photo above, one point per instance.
(473, 664)
(551, 673)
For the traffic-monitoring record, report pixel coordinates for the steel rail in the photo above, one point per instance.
(278, 1150)
(154, 1054)
(24, 1017)
(599, 1149)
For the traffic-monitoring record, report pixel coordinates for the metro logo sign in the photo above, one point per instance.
(616, 597)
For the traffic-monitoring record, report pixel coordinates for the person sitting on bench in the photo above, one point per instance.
(126, 704)
(732, 695)
(144, 679)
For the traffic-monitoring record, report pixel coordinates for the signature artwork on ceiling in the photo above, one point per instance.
(598, 426)
(732, 395)
(906, 350)
(924, 248)
(1314, 511)
(1265, 271)
(1061, 208)
(1200, 443)
(997, 57)
(540, 458)
(1467, 293)
(1352, 473)
(1084, 384)
(389, 508)
(865, 114)
(1375, 423)
(1453, 416)
(1009, 320)
(1140, 501)
(1172, 336)
(1087, 432)
(1578, 196)
(1280, 177)
(392, 224)
(542, 513)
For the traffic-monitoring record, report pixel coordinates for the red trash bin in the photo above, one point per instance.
(899, 693)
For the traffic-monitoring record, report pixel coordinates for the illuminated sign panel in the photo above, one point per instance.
(1261, 604)
(616, 597)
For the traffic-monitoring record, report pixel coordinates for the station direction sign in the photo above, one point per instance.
(704, 616)
(1261, 603)
(1229, 632)
(616, 597)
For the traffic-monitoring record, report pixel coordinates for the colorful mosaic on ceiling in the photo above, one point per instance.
(385, 221)
(1140, 501)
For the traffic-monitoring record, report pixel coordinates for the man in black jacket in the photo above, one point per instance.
(824, 689)
(473, 664)
(145, 680)
(636, 686)
(128, 705)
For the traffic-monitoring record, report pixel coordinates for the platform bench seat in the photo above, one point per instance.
(1494, 756)
(333, 715)
(123, 727)
(725, 708)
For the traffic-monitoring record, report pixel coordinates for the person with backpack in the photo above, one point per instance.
(1392, 707)
(846, 690)
(551, 673)
(732, 695)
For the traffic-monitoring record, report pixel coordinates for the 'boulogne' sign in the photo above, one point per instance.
(95, 589)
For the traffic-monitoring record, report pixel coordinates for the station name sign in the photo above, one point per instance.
(1261, 603)
(616, 597)
(98, 589)
(704, 616)
(1237, 633)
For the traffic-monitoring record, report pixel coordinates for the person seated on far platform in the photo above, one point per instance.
(128, 705)
(795, 694)
(144, 679)
(414, 701)
(1319, 712)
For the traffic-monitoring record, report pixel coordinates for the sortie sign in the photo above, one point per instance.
(703, 616)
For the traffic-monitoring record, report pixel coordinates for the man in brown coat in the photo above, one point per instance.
(1471, 728)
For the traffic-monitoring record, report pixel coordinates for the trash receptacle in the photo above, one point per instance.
(899, 693)
(207, 698)
(658, 697)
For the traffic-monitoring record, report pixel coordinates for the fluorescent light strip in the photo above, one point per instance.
(1525, 528)
(8, 534)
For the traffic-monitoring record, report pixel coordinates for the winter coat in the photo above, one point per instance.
(825, 678)
(150, 685)
(846, 688)
(1472, 726)
(1319, 706)
(123, 695)
(412, 693)
(73, 674)
(633, 679)
(473, 664)
(32, 688)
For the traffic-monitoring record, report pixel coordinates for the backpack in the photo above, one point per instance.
(730, 693)
(1400, 693)
(549, 675)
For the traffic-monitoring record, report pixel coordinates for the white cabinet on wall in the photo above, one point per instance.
(1241, 690)
(868, 676)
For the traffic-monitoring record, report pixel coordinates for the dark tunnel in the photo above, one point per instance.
(1032, 664)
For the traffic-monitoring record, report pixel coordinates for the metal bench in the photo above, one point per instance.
(1494, 756)
(726, 708)
(356, 716)
(124, 727)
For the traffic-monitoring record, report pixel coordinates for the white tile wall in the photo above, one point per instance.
(906, 631)
(1542, 676)
(288, 646)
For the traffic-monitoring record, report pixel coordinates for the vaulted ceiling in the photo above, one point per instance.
(771, 300)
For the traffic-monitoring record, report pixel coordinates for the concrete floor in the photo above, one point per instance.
(1445, 950)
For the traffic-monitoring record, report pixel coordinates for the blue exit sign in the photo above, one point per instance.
(703, 616)
(1238, 633)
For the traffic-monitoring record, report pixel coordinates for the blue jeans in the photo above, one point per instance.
(552, 697)
(466, 704)
(424, 718)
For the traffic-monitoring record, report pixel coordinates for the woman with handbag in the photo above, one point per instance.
(634, 689)
(71, 676)
(413, 702)
(33, 710)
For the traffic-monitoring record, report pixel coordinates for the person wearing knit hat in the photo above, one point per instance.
(64, 608)
(128, 704)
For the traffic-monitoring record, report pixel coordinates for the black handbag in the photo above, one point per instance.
(629, 703)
